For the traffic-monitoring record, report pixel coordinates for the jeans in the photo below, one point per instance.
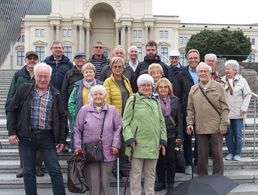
(234, 136)
(44, 142)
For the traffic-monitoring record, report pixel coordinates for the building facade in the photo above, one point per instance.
(79, 23)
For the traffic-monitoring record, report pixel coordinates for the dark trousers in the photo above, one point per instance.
(44, 142)
(167, 163)
(39, 158)
(215, 141)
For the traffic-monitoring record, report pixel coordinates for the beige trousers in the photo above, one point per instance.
(147, 167)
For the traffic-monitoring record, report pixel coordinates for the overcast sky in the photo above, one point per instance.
(207, 11)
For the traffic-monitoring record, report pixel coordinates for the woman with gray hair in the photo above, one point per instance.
(238, 95)
(80, 93)
(89, 121)
(145, 134)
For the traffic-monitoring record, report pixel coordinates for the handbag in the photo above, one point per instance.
(75, 174)
(93, 150)
(180, 159)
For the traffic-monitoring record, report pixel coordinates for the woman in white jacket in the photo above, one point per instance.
(238, 95)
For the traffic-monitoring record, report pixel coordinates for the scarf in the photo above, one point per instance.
(165, 105)
(229, 85)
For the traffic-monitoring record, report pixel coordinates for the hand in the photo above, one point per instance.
(242, 113)
(163, 149)
(78, 151)
(223, 131)
(59, 148)
(133, 146)
(13, 139)
(114, 150)
(179, 141)
(189, 129)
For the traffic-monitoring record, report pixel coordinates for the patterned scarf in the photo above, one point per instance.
(229, 85)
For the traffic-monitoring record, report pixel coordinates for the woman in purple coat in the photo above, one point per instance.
(88, 128)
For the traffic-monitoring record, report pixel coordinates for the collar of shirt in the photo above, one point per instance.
(205, 87)
(193, 74)
(133, 65)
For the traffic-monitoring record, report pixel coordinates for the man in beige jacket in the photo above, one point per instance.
(210, 121)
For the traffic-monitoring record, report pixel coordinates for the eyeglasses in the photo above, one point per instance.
(98, 47)
(32, 58)
(163, 87)
(117, 67)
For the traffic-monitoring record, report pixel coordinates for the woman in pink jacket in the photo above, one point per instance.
(88, 128)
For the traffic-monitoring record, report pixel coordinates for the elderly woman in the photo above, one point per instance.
(156, 71)
(145, 134)
(118, 91)
(238, 95)
(88, 127)
(79, 95)
(211, 60)
(170, 106)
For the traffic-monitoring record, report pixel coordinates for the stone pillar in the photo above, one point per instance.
(123, 37)
(152, 33)
(129, 34)
(57, 33)
(51, 35)
(75, 38)
(88, 42)
(81, 38)
(146, 34)
(117, 35)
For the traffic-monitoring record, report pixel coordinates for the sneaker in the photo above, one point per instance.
(237, 158)
(229, 157)
(159, 186)
(188, 170)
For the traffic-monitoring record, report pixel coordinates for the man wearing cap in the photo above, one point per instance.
(174, 69)
(59, 63)
(25, 75)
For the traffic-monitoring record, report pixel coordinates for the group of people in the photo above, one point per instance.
(145, 110)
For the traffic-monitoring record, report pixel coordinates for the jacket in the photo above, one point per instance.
(201, 114)
(185, 82)
(173, 73)
(241, 96)
(20, 77)
(104, 63)
(76, 100)
(59, 69)
(88, 128)
(143, 124)
(19, 113)
(70, 78)
(172, 130)
(142, 67)
(114, 95)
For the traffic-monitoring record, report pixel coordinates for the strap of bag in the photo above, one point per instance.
(172, 120)
(103, 125)
(209, 101)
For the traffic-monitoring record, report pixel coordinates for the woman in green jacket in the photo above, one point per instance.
(145, 134)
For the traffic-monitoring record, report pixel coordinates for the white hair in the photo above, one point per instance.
(95, 88)
(233, 63)
(40, 65)
(203, 64)
(210, 56)
(133, 47)
(144, 79)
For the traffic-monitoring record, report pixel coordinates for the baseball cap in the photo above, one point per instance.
(79, 53)
(174, 53)
(30, 53)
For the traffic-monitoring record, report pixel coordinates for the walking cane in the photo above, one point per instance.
(117, 179)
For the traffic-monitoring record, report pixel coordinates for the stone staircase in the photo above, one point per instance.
(245, 172)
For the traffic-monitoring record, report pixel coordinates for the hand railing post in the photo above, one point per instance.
(254, 153)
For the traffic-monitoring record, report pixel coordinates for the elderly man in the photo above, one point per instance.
(25, 75)
(98, 59)
(207, 110)
(211, 60)
(35, 119)
(133, 62)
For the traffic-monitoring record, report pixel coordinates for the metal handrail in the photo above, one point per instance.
(256, 97)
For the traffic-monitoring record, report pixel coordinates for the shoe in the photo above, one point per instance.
(19, 174)
(188, 170)
(229, 157)
(159, 186)
(237, 158)
(39, 172)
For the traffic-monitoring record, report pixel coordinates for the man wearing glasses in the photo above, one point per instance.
(98, 59)
(25, 75)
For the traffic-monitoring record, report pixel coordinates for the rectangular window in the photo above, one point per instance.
(137, 34)
(40, 50)
(20, 58)
(163, 34)
(183, 40)
(67, 32)
(252, 41)
(164, 54)
(251, 57)
(68, 52)
(39, 32)
(140, 57)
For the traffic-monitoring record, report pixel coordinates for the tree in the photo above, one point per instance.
(224, 43)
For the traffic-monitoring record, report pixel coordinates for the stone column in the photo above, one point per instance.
(146, 34)
(88, 42)
(51, 35)
(117, 35)
(152, 33)
(75, 38)
(129, 34)
(123, 37)
(57, 33)
(81, 38)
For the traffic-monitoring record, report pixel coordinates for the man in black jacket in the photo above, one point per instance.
(35, 121)
(151, 57)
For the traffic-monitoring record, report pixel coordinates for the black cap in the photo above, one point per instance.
(30, 53)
